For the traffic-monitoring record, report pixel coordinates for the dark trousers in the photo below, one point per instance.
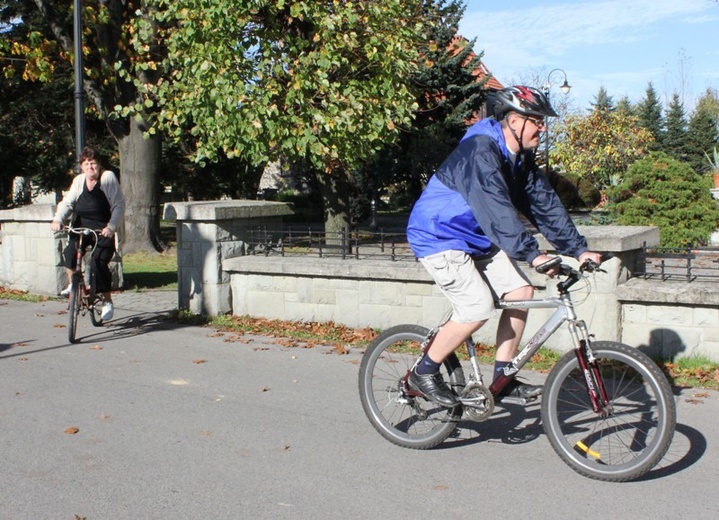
(99, 262)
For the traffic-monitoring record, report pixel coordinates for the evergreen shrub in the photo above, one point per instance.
(664, 192)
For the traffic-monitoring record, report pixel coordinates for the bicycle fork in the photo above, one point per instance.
(590, 370)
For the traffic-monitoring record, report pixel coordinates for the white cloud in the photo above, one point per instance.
(554, 29)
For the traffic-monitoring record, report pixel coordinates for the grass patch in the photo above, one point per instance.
(693, 372)
(144, 270)
(22, 296)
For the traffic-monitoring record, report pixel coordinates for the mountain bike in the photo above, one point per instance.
(607, 409)
(83, 299)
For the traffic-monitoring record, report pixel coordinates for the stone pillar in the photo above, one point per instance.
(207, 233)
(602, 309)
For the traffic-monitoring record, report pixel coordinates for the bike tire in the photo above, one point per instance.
(408, 422)
(636, 433)
(73, 309)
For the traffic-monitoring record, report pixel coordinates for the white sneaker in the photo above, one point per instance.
(66, 291)
(108, 311)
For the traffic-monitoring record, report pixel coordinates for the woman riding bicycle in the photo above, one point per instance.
(95, 200)
(466, 232)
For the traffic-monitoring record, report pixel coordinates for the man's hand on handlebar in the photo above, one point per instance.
(590, 260)
(552, 267)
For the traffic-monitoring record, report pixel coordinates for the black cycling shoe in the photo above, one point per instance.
(433, 388)
(518, 390)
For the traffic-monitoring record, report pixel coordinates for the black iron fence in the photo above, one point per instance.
(687, 264)
(665, 264)
(316, 243)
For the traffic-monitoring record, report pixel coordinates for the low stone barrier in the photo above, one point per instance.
(375, 293)
(31, 254)
(671, 319)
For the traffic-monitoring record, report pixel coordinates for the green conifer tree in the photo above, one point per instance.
(703, 132)
(603, 102)
(649, 112)
(675, 138)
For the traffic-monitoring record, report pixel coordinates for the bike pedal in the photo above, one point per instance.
(518, 401)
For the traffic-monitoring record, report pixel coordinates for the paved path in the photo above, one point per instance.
(146, 419)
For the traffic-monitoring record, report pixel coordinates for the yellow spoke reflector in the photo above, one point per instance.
(586, 450)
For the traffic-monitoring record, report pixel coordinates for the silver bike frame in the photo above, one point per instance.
(564, 311)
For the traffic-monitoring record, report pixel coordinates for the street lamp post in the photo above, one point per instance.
(565, 88)
(79, 95)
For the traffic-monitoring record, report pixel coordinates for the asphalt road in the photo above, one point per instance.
(146, 419)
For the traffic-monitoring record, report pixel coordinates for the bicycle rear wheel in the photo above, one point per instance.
(411, 422)
(73, 309)
(631, 436)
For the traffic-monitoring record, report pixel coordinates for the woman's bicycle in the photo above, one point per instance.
(607, 409)
(83, 299)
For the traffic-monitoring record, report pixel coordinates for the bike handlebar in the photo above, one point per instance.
(572, 275)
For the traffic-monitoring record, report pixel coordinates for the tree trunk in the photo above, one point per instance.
(335, 189)
(139, 169)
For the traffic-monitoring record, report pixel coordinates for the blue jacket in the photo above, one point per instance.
(471, 203)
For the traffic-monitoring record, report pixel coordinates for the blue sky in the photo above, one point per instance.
(618, 44)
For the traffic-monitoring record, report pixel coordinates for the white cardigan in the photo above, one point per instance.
(109, 185)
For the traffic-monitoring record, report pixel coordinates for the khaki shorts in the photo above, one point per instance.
(472, 286)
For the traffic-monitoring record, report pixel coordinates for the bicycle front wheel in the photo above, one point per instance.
(411, 422)
(73, 309)
(626, 439)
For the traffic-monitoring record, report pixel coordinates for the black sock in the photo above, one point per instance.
(498, 367)
(427, 366)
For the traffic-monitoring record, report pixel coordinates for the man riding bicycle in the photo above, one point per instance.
(466, 231)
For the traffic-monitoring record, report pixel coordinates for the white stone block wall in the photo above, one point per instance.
(671, 319)
(31, 254)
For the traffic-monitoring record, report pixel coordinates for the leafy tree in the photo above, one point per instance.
(660, 191)
(447, 94)
(600, 147)
(319, 83)
(703, 133)
(36, 116)
(110, 65)
(649, 112)
(603, 101)
(675, 139)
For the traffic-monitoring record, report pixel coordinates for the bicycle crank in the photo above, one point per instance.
(477, 401)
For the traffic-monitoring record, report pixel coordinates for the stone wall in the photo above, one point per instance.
(31, 254)
(374, 293)
(671, 319)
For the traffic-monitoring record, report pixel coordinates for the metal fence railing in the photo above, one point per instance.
(665, 264)
(344, 244)
(674, 264)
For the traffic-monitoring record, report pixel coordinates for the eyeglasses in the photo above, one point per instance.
(539, 123)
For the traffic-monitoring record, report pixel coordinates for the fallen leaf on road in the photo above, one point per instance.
(72, 430)
(199, 361)
(59, 326)
(96, 347)
(265, 389)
